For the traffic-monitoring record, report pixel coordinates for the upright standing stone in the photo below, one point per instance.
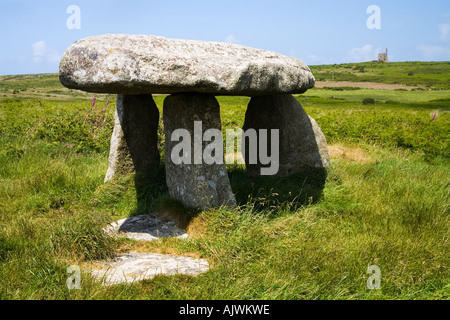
(302, 145)
(134, 143)
(191, 180)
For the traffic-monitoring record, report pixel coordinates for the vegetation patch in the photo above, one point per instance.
(424, 74)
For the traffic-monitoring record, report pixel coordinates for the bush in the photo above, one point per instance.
(361, 69)
(368, 101)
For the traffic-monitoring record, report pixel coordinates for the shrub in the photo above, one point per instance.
(368, 101)
(361, 69)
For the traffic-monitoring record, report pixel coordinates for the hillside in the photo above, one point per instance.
(435, 75)
(39, 86)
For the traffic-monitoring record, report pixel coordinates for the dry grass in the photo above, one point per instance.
(157, 246)
(351, 153)
(197, 228)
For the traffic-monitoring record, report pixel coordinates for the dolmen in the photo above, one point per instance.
(193, 73)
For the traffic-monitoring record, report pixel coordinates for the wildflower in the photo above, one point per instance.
(93, 101)
(107, 102)
(434, 116)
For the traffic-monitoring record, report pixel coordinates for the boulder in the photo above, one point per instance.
(138, 64)
(302, 146)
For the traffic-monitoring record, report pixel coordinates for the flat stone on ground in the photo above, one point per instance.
(134, 266)
(144, 227)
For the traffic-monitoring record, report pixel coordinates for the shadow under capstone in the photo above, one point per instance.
(152, 196)
(268, 192)
(263, 194)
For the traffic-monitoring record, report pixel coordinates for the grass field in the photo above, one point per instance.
(385, 201)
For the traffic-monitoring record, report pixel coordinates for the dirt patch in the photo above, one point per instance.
(365, 85)
(350, 153)
(156, 247)
(197, 228)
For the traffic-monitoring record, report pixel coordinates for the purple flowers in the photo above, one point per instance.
(434, 117)
(95, 99)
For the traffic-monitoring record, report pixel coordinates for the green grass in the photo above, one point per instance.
(385, 203)
(398, 118)
(422, 99)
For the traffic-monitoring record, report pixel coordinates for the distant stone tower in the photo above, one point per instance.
(383, 56)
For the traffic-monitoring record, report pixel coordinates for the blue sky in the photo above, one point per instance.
(34, 34)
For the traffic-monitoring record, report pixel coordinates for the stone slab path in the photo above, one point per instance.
(135, 266)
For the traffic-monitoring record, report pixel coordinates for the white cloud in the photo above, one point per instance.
(363, 54)
(442, 51)
(434, 52)
(42, 52)
(445, 31)
(38, 51)
(313, 59)
(231, 39)
(292, 53)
